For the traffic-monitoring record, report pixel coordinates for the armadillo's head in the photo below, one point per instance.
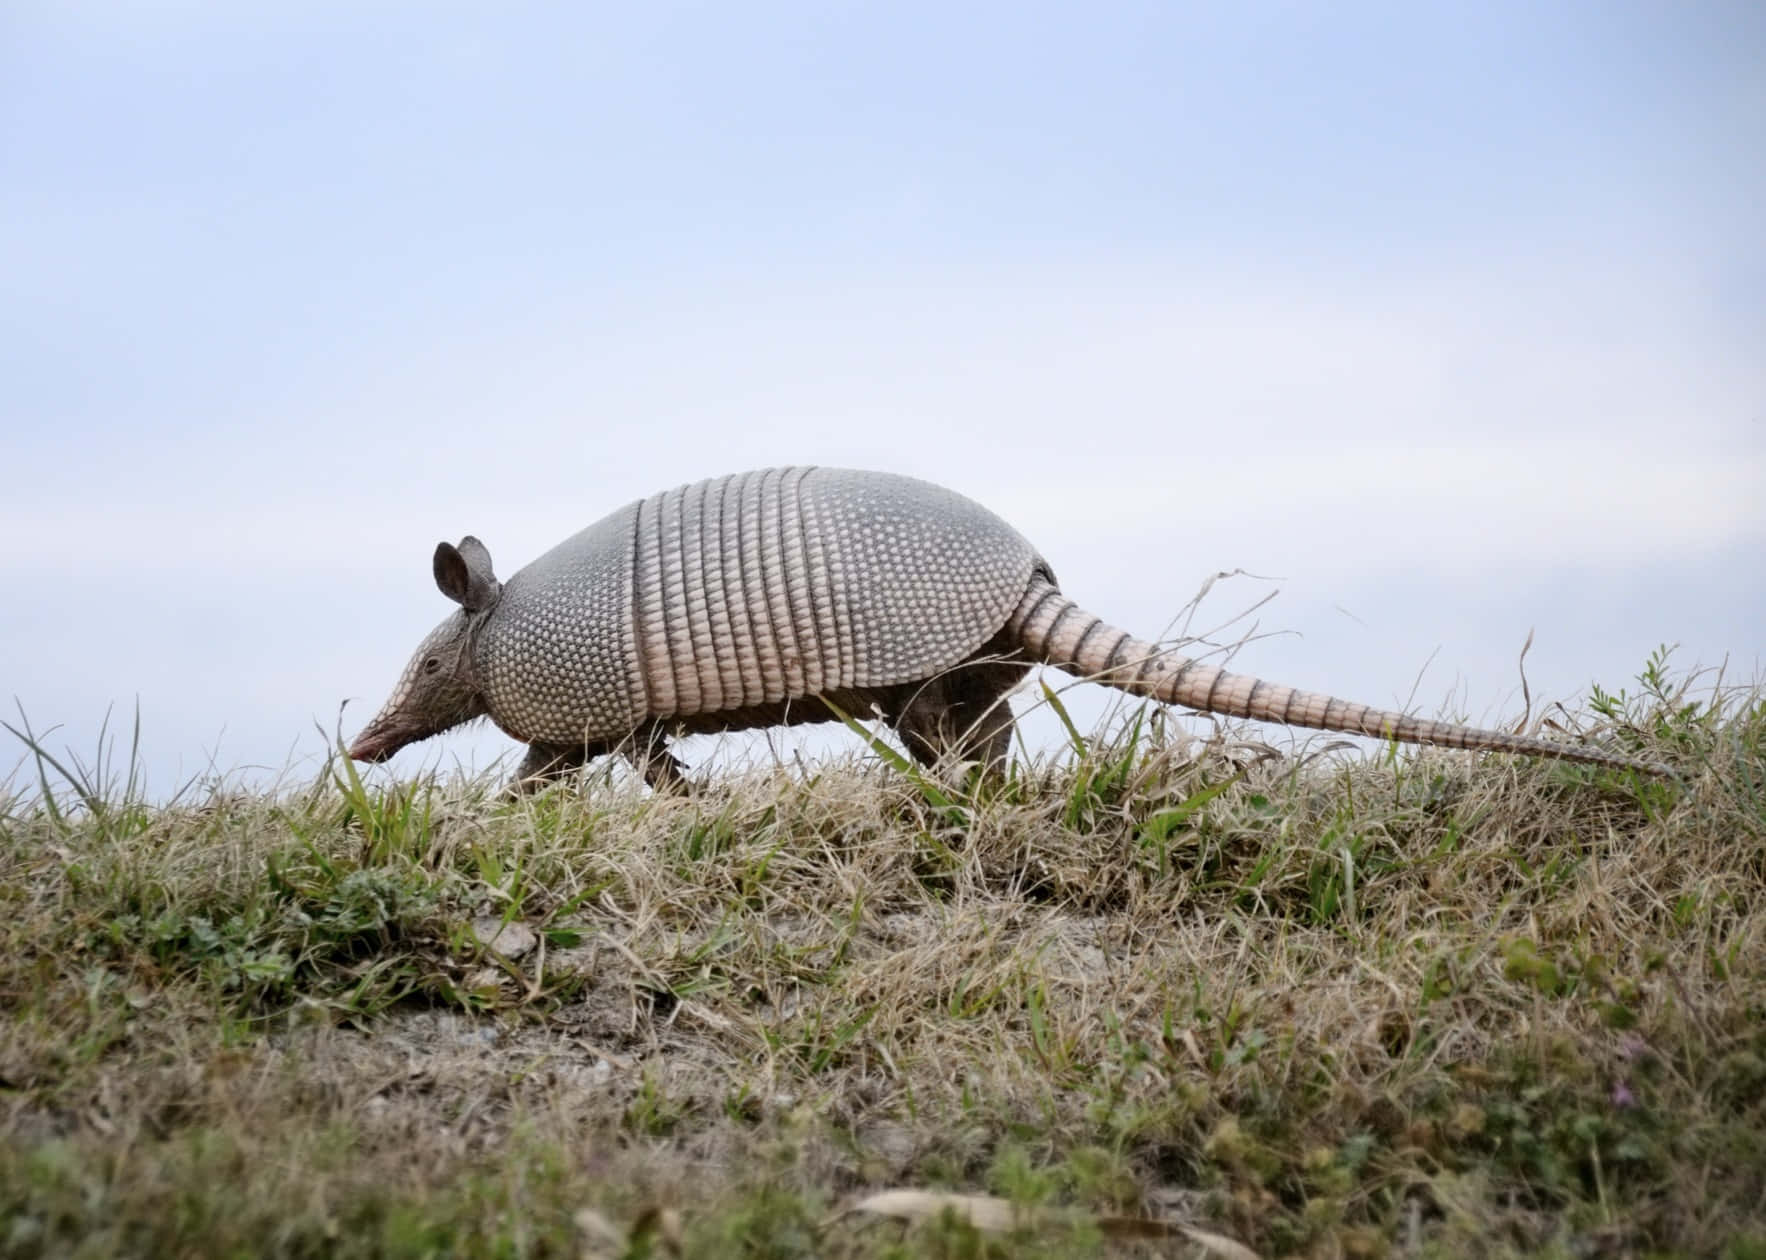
(440, 687)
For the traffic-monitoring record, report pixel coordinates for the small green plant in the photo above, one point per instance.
(653, 1112)
(114, 800)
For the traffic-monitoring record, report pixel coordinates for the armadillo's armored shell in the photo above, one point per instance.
(746, 590)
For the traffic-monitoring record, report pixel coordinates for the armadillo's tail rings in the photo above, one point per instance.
(1052, 628)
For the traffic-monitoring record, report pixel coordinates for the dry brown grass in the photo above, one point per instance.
(1416, 1005)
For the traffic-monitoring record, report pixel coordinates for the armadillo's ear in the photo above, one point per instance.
(464, 574)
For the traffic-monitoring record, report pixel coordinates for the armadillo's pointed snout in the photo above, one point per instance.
(371, 745)
(379, 740)
(365, 749)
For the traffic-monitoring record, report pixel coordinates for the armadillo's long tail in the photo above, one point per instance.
(1052, 628)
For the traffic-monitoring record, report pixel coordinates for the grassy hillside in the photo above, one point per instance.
(1419, 1004)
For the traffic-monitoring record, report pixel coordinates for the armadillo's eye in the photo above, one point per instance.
(432, 664)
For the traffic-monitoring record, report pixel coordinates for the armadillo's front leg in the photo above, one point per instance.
(647, 749)
(546, 763)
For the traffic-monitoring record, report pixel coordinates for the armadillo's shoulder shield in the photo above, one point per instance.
(558, 658)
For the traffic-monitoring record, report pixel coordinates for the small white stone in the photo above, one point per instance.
(511, 940)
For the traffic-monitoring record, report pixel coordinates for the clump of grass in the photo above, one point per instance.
(1421, 1004)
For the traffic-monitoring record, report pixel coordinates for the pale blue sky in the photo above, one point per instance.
(1450, 317)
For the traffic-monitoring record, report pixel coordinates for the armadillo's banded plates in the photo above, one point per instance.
(753, 589)
(764, 586)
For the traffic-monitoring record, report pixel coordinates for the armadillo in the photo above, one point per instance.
(782, 595)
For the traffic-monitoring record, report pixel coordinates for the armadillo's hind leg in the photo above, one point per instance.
(962, 716)
(647, 749)
(547, 763)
